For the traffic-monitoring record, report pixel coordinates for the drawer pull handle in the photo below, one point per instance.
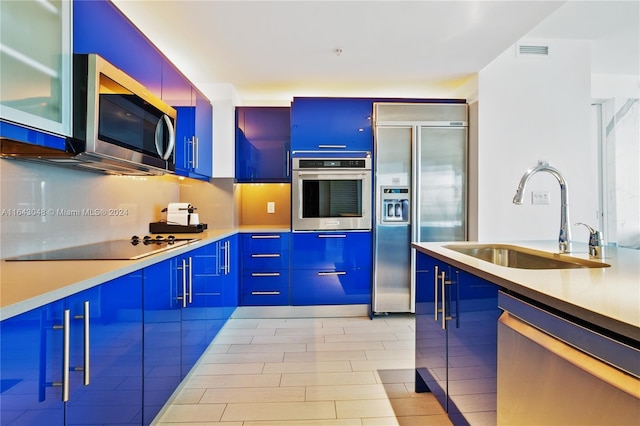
(265, 237)
(265, 293)
(265, 255)
(332, 236)
(332, 146)
(322, 274)
(265, 274)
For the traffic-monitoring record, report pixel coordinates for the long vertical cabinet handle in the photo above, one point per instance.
(86, 338)
(190, 281)
(184, 283)
(436, 276)
(65, 354)
(443, 282)
(288, 163)
(196, 152)
(227, 253)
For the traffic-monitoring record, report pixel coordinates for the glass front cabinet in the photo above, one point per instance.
(35, 64)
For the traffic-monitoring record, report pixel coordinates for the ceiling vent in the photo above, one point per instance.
(532, 50)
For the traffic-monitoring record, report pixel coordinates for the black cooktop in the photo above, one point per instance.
(135, 248)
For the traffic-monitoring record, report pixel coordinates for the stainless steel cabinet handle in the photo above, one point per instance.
(332, 146)
(184, 283)
(86, 335)
(265, 237)
(228, 257)
(196, 152)
(444, 303)
(288, 165)
(436, 275)
(265, 274)
(65, 354)
(190, 281)
(332, 236)
(265, 255)
(265, 293)
(322, 274)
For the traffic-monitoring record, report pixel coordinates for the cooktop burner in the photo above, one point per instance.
(132, 249)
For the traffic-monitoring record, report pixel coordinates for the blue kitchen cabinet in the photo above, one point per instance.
(104, 347)
(265, 269)
(331, 268)
(194, 138)
(331, 124)
(262, 144)
(230, 274)
(99, 27)
(162, 336)
(456, 340)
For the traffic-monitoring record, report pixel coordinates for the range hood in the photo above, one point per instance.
(86, 161)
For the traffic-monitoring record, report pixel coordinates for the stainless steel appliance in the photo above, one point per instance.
(331, 194)
(119, 127)
(420, 191)
(132, 249)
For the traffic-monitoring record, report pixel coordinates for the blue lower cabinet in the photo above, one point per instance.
(456, 340)
(104, 347)
(331, 287)
(265, 269)
(269, 288)
(31, 367)
(331, 268)
(230, 272)
(162, 336)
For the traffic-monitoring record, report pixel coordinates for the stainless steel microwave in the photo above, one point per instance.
(117, 122)
(331, 194)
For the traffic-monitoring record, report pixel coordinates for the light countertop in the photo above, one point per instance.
(25, 285)
(607, 297)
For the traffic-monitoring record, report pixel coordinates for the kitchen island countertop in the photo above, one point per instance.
(606, 297)
(25, 285)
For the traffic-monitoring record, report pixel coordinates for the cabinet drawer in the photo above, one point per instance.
(265, 242)
(265, 261)
(265, 288)
(330, 287)
(331, 250)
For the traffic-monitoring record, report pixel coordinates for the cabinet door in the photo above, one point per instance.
(330, 287)
(262, 144)
(99, 27)
(162, 336)
(230, 248)
(204, 136)
(194, 140)
(431, 335)
(35, 65)
(106, 388)
(472, 342)
(331, 124)
(31, 367)
(331, 250)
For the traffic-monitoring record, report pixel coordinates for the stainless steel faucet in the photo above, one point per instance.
(595, 242)
(564, 239)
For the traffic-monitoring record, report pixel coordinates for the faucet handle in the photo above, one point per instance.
(595, 241)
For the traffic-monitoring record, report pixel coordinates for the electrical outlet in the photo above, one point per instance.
(540, 197)
(271, 207)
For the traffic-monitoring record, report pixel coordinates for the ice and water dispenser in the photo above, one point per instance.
(395, 204)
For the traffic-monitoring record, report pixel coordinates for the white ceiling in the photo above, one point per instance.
(274, 50)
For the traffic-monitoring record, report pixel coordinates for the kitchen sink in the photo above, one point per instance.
(523, 258)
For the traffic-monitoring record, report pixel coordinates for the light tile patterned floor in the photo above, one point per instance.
(307, 372)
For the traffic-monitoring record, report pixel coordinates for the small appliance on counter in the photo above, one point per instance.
(180, 219)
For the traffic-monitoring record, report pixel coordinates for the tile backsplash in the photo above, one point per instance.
(45, 207)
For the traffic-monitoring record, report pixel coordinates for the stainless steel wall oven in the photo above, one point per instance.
(331, 194)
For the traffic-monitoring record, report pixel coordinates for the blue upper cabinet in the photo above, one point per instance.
(331, 124)
(99, 27)
(262, 144)
(35, 65)
(194, 125)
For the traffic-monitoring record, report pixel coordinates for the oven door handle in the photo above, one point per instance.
(336, 174)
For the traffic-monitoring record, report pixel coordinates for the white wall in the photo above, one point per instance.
(530, 109)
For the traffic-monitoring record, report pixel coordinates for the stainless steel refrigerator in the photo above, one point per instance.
(420, 191)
